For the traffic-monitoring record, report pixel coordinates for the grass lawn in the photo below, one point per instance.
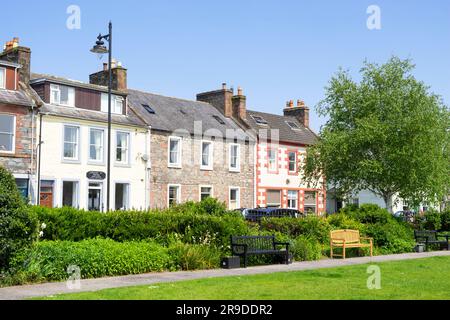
(410, 279)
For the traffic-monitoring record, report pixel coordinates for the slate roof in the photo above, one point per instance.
(174, 113)
(78, 113)
(15, 97)
(302, 135)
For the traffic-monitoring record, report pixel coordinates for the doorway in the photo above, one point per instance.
(46, 194)
(95, 196)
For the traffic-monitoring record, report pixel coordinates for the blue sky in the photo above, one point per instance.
(275, 50)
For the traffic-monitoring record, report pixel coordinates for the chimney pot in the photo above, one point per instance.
(105, 66)
(224, 86)
(240, 91)
(291, 104)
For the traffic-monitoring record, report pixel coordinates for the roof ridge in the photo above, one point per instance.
(170, 97)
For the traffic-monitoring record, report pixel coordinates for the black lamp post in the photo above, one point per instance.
(100, 48)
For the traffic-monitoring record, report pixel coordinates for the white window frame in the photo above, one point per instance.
(102, 160)
(178, 200)
(210, 155)
(200, 191)
(269, 169)
(238, 157)
(13, 134)
(295, 162)
(77, 192)
(57, 88)
(289, 198)
(114, 103)
(238, 200)
(77, 158)
(102, 189)
(3, 71)
(128, 153)
(178, 164)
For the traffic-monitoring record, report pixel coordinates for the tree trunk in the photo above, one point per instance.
(388, 202)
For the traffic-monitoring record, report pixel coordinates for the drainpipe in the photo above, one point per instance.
(30, 184)
(38, 198)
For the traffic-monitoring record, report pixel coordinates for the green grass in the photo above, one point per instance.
(411, 279)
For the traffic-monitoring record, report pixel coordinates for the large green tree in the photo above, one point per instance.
(386, 133)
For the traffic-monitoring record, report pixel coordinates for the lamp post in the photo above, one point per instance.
(100, 48)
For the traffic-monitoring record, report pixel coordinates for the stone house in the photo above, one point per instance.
(18, 111)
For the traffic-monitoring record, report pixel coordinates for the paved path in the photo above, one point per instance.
(47, 289)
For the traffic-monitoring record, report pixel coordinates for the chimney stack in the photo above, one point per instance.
(239, 103)
(300, 112)
(119, 76)
(12, 52)
(220, 99)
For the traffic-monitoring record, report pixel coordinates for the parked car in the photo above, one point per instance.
(243, 211)
(256, 215)
(406, 215)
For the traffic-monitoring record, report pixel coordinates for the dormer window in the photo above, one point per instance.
(116, 103)
(62, 95)
(2, 78)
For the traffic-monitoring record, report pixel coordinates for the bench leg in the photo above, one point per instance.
(245, 261)
(343, 252)
(331, 251)
(371, 250)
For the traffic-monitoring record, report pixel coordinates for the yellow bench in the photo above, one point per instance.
(348, 239)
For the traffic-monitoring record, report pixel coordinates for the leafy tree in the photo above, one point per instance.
(18, 226)
(387, 134)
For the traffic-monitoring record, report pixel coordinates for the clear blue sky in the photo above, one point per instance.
(275, 50)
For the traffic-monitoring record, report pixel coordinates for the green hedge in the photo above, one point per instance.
(49, 260)
(162, 226)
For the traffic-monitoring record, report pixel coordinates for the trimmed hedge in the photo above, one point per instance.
(69, 224)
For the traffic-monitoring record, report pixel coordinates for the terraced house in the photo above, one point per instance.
(196, 152)
(73, 150)
(18, 111)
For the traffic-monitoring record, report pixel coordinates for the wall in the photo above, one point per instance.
(190, 177)
(53, 168)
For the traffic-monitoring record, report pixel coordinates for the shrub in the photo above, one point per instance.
(445, 220)
(18, 225)
(49, 260)
(369, 214)
(162, 226)
(194, 257)
(305, 249)
(342, 221)
(431, 220)
(311, 227)
(392, 237)
(209, 206)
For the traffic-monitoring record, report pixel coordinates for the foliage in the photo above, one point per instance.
(49, 260)
(445, 220)
(194, 257)
(387, 134)
(18, 226)
(342, 221)
(162, 226)
(209, 206)
(305, 249)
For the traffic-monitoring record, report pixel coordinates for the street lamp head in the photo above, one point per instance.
(99, 47)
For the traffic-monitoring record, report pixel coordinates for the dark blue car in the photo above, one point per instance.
(256, 215)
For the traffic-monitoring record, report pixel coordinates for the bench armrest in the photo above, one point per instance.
(446, 236)
(366, 238)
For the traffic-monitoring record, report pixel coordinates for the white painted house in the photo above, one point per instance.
(72, 128)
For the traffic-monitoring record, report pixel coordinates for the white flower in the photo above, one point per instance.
(43, 226)
(41, 234)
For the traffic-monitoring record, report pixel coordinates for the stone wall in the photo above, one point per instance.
(20, 161)
(191, 177)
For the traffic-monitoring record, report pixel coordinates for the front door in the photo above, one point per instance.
(95, 201)
(46, 194)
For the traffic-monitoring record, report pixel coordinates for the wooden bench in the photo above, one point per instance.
(243, 246)
(431, 237)
(348, 239)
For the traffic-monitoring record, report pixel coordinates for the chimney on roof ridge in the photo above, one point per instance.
(119, 76)
(12, 52)
(300, 112)
(239, 103)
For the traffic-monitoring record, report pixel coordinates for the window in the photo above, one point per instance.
(219, 119)
(292, 199)
(235, 198)
(174, 152)
(122, 196)
(70, 194)
(173, 195)
(207, 155)
(273, 198)
(95, 196)
(22, 186)
(122, 147)
(292, 161)
(62, 95)
(96, 141)
(205, 193)
(2, 78)
(235, 155)
(310, 202)
(272, 159)
(71, 142)
(148, 108)
(259, 120)
(116, 103)
(7, 133)
(292, 125)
